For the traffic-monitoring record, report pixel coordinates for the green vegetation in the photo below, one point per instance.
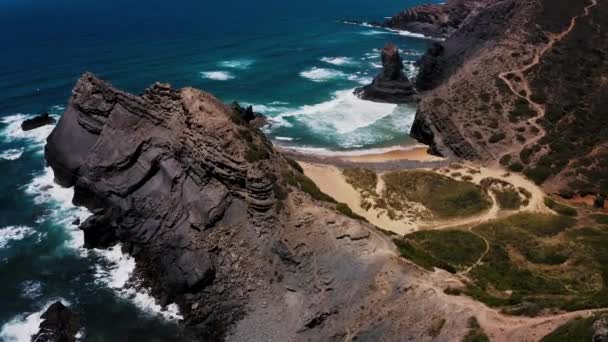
(521, 110)
(447, 249)
(577, 330)
(600, 218)
(436, 327)
(538, 174)
(450, 198)
(299, 180)
(534, 262)
(362, 179)
(516, 167)
(497, 137)
(475, 334)
(560, 208)
(347, 211)
(295, 165)
(420, 257)
(508, 199)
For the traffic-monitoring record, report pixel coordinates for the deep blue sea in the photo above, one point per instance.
(296, 62)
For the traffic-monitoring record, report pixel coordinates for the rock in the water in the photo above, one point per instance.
(391, 85)
(59, 324)
(38, 121)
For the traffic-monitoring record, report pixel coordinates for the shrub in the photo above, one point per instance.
(560, 208)
(538, 174)
(497, 137)
(347, 211)
(516, 167)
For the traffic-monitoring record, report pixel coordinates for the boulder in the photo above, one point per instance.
(37, 121)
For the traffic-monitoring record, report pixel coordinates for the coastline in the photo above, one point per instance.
(395, 158)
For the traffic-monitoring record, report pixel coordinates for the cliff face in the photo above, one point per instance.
(436, 20)
(226, 227)
(521, 82)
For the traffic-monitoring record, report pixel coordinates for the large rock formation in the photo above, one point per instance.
(391, 85)
(59, 324)
(226, 227)
(436, 20)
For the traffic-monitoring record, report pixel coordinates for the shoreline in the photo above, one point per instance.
(393, 159)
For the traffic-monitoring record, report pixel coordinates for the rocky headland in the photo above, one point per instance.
(436, 20)
(225, 226)
(391, 85)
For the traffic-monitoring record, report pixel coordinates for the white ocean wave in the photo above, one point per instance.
(117, 274)
(322, 74)
(116, 268)
(11, 154)
(24, 326)
(237, 64)
(36, 138)
(31, 289)
(376, 65)
(321, 151)
(14, 233)
(344, 113)
(361, 79)
(217, 75)
(284, 138)
(338, 60)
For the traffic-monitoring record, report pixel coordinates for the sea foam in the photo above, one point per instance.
(14, 233)
(11, 154)
(338, 60)
(237, 64)
(322, 74)
(24, 326)
(217, 75)
(12, 132)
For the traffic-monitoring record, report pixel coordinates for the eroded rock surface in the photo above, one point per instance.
(59, 324)
(436, 20)
(37, 121)
(391, 85)
(218, 223)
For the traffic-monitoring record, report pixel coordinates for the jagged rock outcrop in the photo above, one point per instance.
(223, 225)
(37, 121)
(59, 324)
(436, 20)
(247, 114)
(391, 85)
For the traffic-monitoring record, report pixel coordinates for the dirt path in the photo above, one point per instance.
(509, 76)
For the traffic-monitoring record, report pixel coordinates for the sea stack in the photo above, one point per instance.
(391, 85)
(59, 324)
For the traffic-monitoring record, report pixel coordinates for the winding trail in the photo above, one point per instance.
(509, 76)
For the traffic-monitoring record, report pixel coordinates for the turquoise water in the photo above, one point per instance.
(295, 62)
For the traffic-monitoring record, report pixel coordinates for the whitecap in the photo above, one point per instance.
(13, 132)
(237, 64)
(322, 74)
(338, 60)
(344, 113)
(22, 327)
(217, 75)
(117, 273)
(364, 80)
(11, 154)
(376, 65)
(14, 233)
(31, 289)
(326, 152)
(284, 138)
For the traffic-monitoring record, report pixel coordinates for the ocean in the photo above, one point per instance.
(296, 62)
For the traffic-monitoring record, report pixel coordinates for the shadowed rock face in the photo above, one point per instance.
(59, 324)
(38, 121)
(436, 20)
(218, 223)
(391, 85)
